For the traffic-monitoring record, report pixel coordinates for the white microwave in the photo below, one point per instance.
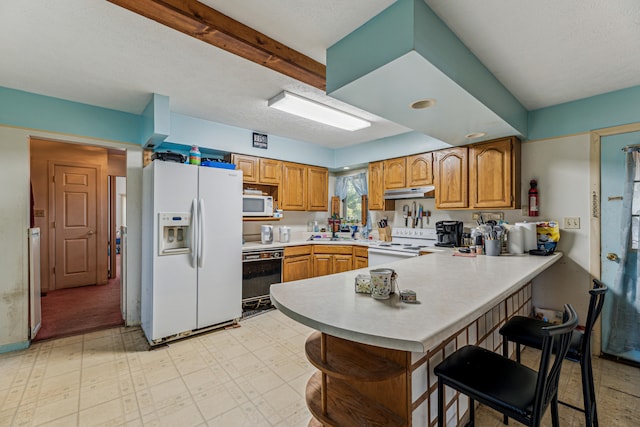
(254, 205)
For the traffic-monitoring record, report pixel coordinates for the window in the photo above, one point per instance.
(352, 205)
(635, 205)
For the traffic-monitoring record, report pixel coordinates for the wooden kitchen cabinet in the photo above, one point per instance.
(494, 174)
(270, 171)
(297, 264)
(317, 189)
(360, 257)
(258, 170)
(395, 173)
(451, 178)
(330, 259)
(376, 188)
(249, 165)
(294, 187)
(419, 170)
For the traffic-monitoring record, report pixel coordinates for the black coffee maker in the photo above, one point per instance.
(449, 233)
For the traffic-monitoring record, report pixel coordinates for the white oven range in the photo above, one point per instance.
(405, 243)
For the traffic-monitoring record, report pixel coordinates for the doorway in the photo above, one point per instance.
(72, 205)
(619, 242)
(607, 187)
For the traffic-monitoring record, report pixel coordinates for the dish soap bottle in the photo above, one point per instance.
(195, 157)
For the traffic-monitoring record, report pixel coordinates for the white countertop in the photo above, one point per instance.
(453, 291)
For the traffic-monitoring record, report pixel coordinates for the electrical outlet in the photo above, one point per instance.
(571, 222)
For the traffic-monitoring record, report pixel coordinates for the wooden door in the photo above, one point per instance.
(420, 170)
(342, 263)
(248, 165)
(297, 268)
(451, 178)
(394, 173)
(294, 187)
(376, 189)
(75, 226)
(317, 189)
(322, 264)
(270, 171)
(492, 174)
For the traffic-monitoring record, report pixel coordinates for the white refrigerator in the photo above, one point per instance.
(191, 249)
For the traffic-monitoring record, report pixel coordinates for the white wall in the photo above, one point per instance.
(14, 222)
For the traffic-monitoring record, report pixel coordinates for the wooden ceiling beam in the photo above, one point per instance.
(204, 23)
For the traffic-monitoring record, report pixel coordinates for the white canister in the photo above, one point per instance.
(266, 234)
(382, 282)
(285, 234)
(515, 240)
(530, 235)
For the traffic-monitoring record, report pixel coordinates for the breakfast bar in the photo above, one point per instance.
(375, 358)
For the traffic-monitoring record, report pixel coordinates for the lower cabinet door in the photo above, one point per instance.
(322, 265)
(342, 263)
(297, 268)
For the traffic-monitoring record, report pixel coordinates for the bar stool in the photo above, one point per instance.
(505, 385)
(527, 331)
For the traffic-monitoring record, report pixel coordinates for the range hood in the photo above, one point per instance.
(409, 193)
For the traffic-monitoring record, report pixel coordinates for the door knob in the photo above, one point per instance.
(90, 232)
(613, 257)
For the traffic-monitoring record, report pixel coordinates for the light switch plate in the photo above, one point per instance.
(571, 223)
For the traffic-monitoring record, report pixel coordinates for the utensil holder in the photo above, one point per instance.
(493, 247)
(384, 234)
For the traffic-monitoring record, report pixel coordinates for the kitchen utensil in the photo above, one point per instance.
(420, 216)
(415, 215)
(405, 213)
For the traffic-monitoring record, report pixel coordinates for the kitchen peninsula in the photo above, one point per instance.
(375, 358)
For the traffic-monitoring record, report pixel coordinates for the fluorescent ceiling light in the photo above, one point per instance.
(303, 107)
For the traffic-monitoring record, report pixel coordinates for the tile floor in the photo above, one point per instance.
(253, 375)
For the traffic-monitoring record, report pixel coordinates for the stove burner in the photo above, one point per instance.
(445, 245)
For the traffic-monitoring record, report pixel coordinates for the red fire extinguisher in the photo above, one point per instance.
(534, 207)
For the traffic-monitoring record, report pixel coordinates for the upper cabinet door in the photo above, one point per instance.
(318, 189)
(494, 172)
(294, 187)
(451, 178)
(420, 170)
(376, 186)
(248, 165)
(394, 173)
(270, 171)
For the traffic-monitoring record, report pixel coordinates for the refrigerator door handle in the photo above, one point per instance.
(194, 232)
(202, 233)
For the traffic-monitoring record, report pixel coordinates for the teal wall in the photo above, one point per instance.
(28, 110)
(610, 109)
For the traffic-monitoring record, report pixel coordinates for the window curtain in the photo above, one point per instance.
(359, 182)
(625, 295)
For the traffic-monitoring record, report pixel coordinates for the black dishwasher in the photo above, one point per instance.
(260, 269)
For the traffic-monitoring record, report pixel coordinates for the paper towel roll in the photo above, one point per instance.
(530, 235)
(515, 240)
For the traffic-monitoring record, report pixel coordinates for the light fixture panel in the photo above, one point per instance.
(312, 110)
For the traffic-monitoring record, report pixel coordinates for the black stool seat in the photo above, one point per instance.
(530, 332)
(485, 376)
(505, 385)
(527, 331)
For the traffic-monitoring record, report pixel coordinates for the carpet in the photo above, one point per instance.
(79, 310)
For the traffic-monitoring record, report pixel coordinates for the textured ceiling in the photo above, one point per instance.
(91, 51)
